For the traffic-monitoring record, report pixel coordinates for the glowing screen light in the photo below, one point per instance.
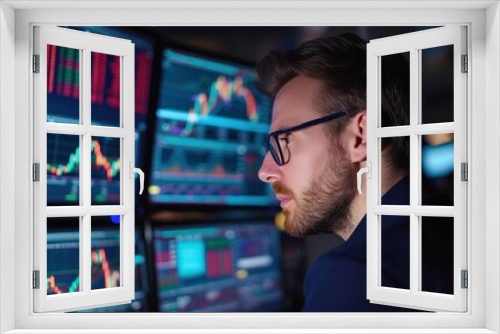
(211, 123)
(437, 161)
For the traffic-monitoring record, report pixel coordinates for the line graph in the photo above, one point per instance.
(111, 166)
(63, 169)
(63, 255)
(211, 122)
(222, 92)
(64, 164)
(63, 249)
(52, 288)
(104, 273)
(105, 170)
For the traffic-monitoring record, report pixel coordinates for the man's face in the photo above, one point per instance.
(316, 187)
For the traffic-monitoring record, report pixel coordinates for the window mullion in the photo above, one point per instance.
(415, 105)
(85, 235)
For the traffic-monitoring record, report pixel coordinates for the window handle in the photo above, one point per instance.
(134, 170)
(367, 170)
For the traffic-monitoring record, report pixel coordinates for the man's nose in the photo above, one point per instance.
(269, 171)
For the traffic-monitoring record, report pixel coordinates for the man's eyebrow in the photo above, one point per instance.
(282, 127)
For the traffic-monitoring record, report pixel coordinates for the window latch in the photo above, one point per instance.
(368, 171)
(132, 171)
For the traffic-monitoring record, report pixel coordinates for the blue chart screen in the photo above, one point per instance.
(63, 266)
(218, 269)
(211, 123)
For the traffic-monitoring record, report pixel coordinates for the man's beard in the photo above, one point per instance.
(325, 206)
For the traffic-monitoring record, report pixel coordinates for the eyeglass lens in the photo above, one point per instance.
(279, 151)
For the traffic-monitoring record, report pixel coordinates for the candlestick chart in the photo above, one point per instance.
(106, 263)
(105, 170)
(63, 263)
(63, 256)
(211, 123)
(63, 170)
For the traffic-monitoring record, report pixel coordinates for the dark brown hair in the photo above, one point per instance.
(340, 63)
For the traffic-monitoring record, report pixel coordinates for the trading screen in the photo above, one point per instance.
(218, 268)
(211, 123)
(63, 264)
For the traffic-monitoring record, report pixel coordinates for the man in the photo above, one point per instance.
(317, 144)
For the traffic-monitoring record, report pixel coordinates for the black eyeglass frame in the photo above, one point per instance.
(280, 160)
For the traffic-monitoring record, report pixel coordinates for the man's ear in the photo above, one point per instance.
(356, 137)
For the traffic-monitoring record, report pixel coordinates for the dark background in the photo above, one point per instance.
(245, 46)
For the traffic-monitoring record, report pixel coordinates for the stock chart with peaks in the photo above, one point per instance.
(211, 123)
(63, 170)
(63, 248)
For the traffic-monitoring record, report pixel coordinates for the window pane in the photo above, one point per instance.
(395, 251)
(105, 90)
(105, 170)
(395, 160)
(395, 93)
(437, 254)
(437, 84)
(63, 85)
(105, 252)
(438, 169)
(63, 255)
(142, 292)
(63, 169)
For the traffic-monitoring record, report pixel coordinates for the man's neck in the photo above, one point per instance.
(358, 205)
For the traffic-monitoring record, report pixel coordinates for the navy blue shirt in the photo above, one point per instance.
(336, 282)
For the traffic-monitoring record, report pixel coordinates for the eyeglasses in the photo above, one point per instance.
(277, 144)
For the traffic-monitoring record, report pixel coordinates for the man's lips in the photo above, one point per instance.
(283, 200)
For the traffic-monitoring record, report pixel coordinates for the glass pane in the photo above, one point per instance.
(141, 301)
(437, 254)
(437, 169)
(437, 84)
(105, 170)
(395, 93)
(105, 90)
(395, 265)
(63, 255)
(63, 169)
(105, 252)
(63, 85)
(395, 164)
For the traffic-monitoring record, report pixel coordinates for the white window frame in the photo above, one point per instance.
(414, 43)
(16, 22)
(85, 43)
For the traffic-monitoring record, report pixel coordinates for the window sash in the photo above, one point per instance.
(86, 43)
(413, 43)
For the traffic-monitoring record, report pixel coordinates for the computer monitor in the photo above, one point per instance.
(63, 103)
(63, 263)
(218, 268)
(211, 124)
